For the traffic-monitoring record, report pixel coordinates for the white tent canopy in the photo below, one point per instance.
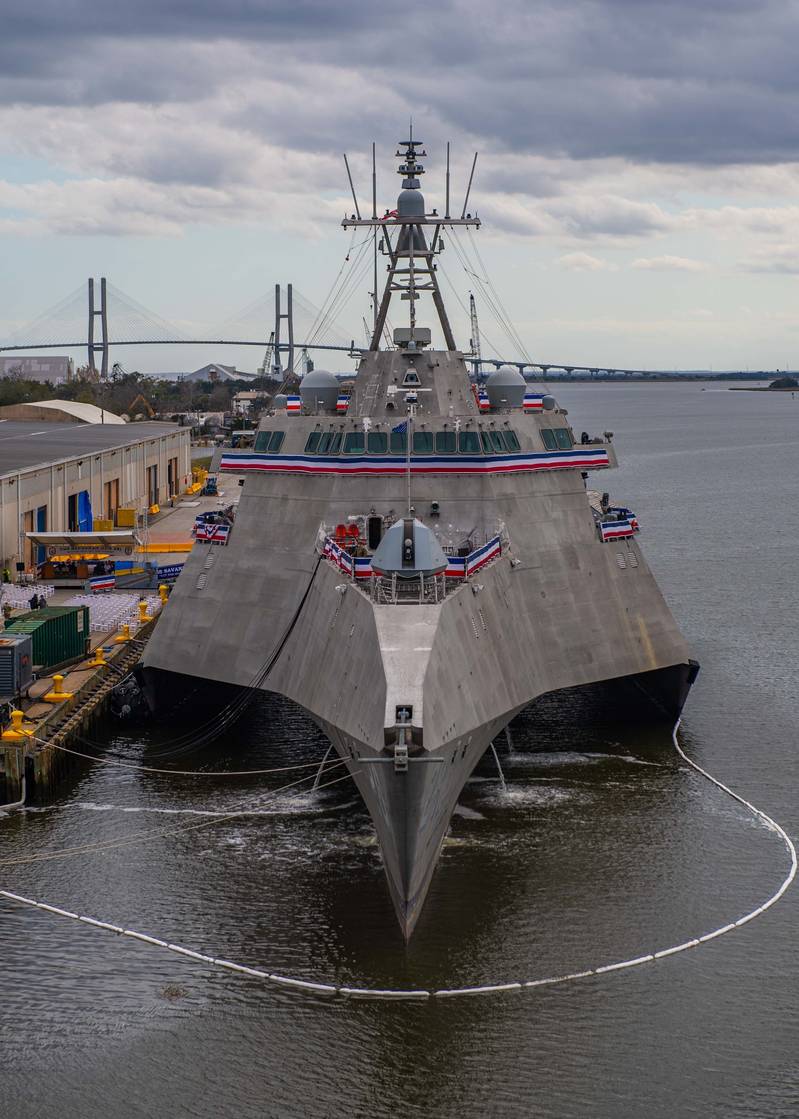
(116, 541)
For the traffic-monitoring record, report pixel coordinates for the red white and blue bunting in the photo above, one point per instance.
(617, 530)
(458, 567)
(99, 583)
(212, 534)
(583, 458)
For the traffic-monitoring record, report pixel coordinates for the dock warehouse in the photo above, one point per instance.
(62, 477)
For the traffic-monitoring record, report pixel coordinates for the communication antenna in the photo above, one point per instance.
(446, 207)
(469, 187)
(474, 341)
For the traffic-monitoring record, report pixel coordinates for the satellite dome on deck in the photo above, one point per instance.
(505, 388)
(319, 391)
(410, 549)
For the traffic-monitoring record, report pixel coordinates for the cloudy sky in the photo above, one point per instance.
(638, 176)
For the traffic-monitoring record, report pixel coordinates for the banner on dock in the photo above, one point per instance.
(102, 583)
(169, 573)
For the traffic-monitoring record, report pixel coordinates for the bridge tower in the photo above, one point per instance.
(100, 313)
(286, 316)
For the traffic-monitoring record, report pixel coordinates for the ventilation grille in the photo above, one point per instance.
(208, 563)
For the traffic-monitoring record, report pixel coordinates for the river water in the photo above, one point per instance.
(603, 847)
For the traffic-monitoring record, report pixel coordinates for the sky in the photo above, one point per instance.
(636, 182)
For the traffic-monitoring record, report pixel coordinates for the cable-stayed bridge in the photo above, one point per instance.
(99, 317)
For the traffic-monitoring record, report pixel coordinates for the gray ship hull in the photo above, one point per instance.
(569, 617)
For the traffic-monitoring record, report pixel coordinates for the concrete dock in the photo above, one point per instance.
(167, 539)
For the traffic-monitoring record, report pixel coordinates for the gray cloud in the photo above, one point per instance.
(674, 82)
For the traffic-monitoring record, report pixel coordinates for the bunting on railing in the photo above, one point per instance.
(99, 583)
(617, 530)
(588, 457)
(294, 405)
(533, 402)
(212, 534)
(458, 567)
(343, 403)
(481, 556)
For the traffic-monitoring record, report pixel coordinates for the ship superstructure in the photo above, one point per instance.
(416, 561)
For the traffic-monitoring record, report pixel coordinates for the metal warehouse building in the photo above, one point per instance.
(61, 477)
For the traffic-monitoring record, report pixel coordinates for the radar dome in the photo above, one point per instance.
(319, 391)
(505, 388)
(409, 549)
(410, 204)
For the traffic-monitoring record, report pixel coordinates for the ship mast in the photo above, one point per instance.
(411, 260)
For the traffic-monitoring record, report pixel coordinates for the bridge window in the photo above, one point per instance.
(497, 442)
(398, 442)
(469, 443)
(486, 442)
(445, 442)
(354, 443)
(548, 435)
(269, 442)
(512, 441)
(564, 438)
(313, 442)
(330, 443)
(422, 442)
(377, 442)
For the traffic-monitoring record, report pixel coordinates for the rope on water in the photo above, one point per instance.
(144, 836)
(332, 989)
(178, 772)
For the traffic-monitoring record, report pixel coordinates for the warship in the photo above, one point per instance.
(415, 561)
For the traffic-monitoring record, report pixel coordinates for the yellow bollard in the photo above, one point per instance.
(124, 636)
(144, 617)
(57, 695)
(16, 730)
(99, 658)
(163, 591)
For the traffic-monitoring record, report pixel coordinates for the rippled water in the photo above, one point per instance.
(602, 847)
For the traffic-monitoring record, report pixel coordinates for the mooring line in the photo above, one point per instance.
(332, 989)
(98, 846)
(44, 742)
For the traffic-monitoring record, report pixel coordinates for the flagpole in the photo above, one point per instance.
(409, 437)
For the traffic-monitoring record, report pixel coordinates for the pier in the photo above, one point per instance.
(33, 761)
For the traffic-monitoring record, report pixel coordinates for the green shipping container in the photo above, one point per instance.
(59, 633)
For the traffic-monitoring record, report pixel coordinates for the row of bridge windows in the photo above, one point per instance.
(489, 442)
(423, 442)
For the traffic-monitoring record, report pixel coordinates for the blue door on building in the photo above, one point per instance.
(79, 512)
(41, 526)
